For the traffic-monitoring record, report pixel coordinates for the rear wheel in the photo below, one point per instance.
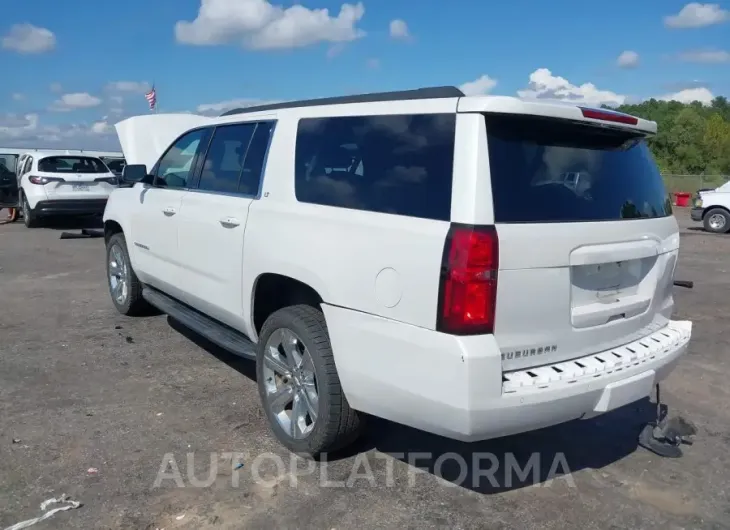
(298, 383)
(717, 221)
(124, 286)
(30, 218)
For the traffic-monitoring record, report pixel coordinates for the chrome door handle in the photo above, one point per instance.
(169, 211)
(229, 222)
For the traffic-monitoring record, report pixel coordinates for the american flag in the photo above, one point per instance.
(151, 98)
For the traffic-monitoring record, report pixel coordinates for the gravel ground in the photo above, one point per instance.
(82, 387)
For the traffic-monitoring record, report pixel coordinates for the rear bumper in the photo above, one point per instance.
(696, 213)
(454, 386)
(70, 207)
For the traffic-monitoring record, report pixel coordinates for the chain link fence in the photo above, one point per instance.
(692, 183)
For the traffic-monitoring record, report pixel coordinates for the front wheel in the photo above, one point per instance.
(124, 286)
(717, 221)
(298, 383)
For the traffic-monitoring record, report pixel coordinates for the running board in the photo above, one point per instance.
(217, 333)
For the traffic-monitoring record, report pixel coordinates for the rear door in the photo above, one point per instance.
(213, 219)
(76, 177)
(588, 243)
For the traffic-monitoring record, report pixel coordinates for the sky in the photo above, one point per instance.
(72, 69)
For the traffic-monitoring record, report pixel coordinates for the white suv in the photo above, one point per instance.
(415, 255)
(53, 184)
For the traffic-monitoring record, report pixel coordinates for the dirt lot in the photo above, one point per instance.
(82, 387)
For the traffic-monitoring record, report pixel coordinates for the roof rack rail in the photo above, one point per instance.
(400, 95)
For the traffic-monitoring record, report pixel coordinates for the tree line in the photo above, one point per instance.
(692, 138)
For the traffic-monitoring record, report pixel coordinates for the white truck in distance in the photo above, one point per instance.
(713, 209)
(412, 255)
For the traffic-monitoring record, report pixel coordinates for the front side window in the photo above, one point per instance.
(175, 169)
(396, 164)
(8, 164)
(71, 164)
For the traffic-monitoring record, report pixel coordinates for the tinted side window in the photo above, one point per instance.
(175, 169)
(253, 166)
(390, 164)
(224, 159)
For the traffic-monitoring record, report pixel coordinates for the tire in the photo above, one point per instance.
(336, 425)
(30, 219)
(717, 221)
(128, 303)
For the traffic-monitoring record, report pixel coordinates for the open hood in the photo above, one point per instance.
(145, 138)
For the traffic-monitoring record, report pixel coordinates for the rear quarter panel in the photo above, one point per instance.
(382, 264)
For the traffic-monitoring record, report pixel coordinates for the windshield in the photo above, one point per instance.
(71, 164)
(7, 164)
(550, 170)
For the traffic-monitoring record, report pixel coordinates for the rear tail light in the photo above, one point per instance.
(606, 115)
(468, 287)
(43, 180)
(109, 180)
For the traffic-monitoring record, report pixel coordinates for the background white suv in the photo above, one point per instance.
(53, 184)
(470, 266)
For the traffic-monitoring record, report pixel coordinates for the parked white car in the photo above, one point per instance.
(52, 185)
(413, 255)
(713, 209)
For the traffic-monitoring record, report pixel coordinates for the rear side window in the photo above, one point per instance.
(71, 164)
(548, 170)
(398, 164)
(235, 158)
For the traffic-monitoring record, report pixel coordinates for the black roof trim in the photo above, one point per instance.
(440, 92)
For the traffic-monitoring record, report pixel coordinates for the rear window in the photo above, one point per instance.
(115, 165)
(548, 170)
(396, 164)
(71, 164)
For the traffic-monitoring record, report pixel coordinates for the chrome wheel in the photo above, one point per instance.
(290, 383)
(118, 275)
(716, 221)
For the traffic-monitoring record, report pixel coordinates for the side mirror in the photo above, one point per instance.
(133, 173)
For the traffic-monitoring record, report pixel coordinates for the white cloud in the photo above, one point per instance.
(696, 15)
(705, 56)
(628, 59)
(258, 24)
(101, 127)
(28, 131)
(27, 38)
(478, 87)
(688, 95)
(56, 87)
(399, 29)
(18, 97)
(77, 100)
(129, 86)
(222, 106)
(544, 85)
